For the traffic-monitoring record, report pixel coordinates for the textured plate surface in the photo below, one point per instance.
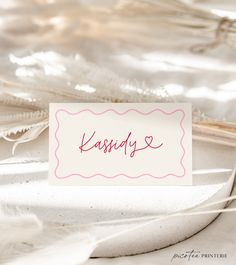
(24, 183)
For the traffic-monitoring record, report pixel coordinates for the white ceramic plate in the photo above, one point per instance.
(23, 180)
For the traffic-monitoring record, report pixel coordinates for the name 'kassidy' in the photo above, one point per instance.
(130, 147)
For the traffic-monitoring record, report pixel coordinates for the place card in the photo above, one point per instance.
(120, 144)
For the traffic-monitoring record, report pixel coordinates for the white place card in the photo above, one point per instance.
(120, 144)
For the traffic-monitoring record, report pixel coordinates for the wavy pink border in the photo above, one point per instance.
(119, 113)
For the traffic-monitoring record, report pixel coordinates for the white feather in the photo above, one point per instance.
(17, 227)
(73, 250)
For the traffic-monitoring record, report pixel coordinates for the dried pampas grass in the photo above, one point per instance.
(76, 80)
(34, 80)
(215, 132)
(127, 21)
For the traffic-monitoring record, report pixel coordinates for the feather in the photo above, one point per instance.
(17, 227)
(73, 250)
